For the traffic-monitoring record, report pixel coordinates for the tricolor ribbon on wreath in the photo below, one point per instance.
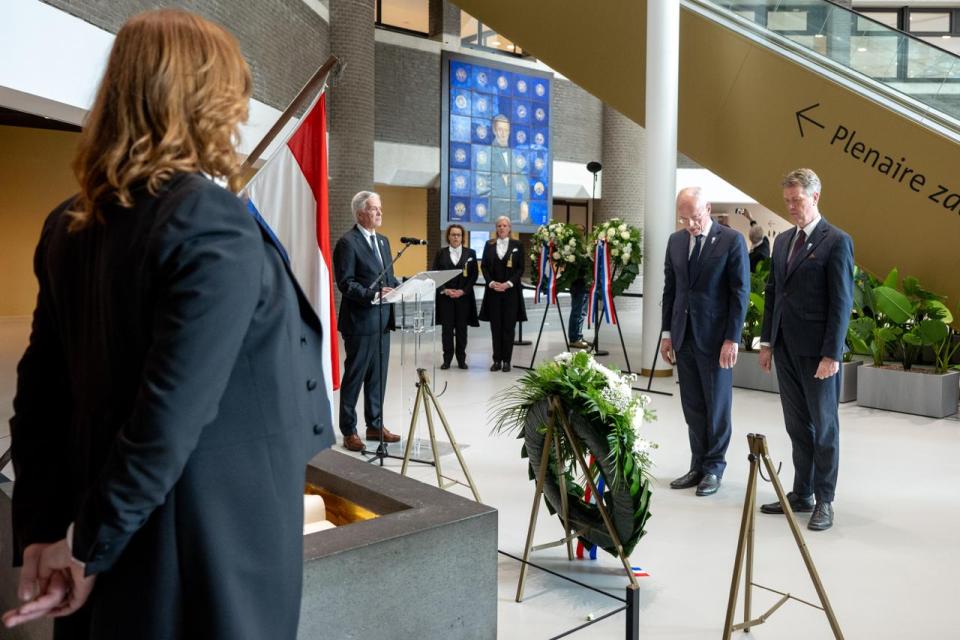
(547, 278)
(602, 285)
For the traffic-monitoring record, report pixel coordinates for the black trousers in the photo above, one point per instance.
(456, 328)
(810, 413)
(362, 367)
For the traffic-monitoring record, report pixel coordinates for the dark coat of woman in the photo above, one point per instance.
(167, 405)
(503, 309)
(455, 314)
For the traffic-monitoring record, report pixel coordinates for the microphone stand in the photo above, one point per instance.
(381, 451)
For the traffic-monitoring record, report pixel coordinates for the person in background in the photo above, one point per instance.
(172, 390)
(578, 305)
(456, 302)
(759, 243)
(502, 306)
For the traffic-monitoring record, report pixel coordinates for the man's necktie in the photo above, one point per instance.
(375, 249)
(797, 247)
(694, 262)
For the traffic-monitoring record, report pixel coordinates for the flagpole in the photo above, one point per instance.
(332, 65)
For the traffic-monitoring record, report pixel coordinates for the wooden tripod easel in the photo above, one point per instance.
(425, 398)
(758, 452)
(557, 416)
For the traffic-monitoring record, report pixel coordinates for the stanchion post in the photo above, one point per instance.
(633, 612)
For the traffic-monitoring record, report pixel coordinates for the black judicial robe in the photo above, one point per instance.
(167, 404)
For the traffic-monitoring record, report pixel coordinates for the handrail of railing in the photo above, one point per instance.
(879, 91)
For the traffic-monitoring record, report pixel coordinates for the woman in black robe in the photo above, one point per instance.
(502, 306)
(456, 303)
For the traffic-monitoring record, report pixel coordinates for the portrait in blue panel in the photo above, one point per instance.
(501, 159)
(460, 155)
(483, 80)
(459, 129)
(541, 90)
(460, 102)
(521, 112)
(504, 82)
(501, 131)
(500, 207)
(460, 182)
(480, 210)
(538, 164)
(459, 209)
(481, 157)
(502, 185)
(480, 131)
(481, 184)
(538, 189)
(521, 188)
(482, 105)
(461, 73)
(538, 212)
(521, 86)
(541, 113)
(521, 162)
(520, 212)
(541, 139)
(521, 136)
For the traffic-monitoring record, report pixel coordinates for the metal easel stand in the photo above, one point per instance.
(557, 418)
(536, 347)
(758, 452)
(426, 399)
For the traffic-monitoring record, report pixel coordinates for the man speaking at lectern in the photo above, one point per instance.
(359, 257)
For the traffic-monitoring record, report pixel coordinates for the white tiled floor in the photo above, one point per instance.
(890, 564)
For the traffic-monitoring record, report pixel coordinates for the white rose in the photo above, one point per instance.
(615, 252)
(625, 235)
(622, 227)
(556, 255)
(627, 248)
(570, 258)
(611, 232)
(573, 242)
(626, 258)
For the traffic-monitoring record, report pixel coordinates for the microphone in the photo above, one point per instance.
(406, 240)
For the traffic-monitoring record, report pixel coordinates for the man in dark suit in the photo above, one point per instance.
(759, 243)
(359, 257)
(809, 295)
(705, 295)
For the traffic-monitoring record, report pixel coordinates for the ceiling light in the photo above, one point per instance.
(819, 35)
(862, 49)
(945, 37)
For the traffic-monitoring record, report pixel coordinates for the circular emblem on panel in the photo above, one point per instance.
(521, 137)
(459, 209)
(520, 160)
(482, 104)
(538, 188)
(538, 138)
(521, 111)
(522, 86)
(482, 157)
(482, 131)
(460, 101)
(482, 78)
(538, 163)
(481, 210)
(460, 182)
(540, 89)
(540, 114)
(502, 83)
(461, 74)
(460, 155)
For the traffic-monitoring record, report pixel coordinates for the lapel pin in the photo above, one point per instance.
(713, 239)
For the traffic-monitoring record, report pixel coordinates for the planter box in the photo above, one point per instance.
(748, 375)
(411, 555)
(848, 380)
(922, 394)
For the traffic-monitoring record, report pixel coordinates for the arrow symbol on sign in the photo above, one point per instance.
(801, 116)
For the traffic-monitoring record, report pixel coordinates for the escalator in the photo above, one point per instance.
(768, 86)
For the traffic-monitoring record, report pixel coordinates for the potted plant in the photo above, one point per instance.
(605, 418)
(904, 318)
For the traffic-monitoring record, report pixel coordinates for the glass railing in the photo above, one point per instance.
(907, 64)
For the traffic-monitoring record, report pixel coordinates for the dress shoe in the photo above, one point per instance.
(353, 442)
(822, 518)
(506, 366)
(797, 503)
(689, 479)
(462, 365)
(708, 485)
(580, 344)
(445, 366)
(495, 366)
(374, 434)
